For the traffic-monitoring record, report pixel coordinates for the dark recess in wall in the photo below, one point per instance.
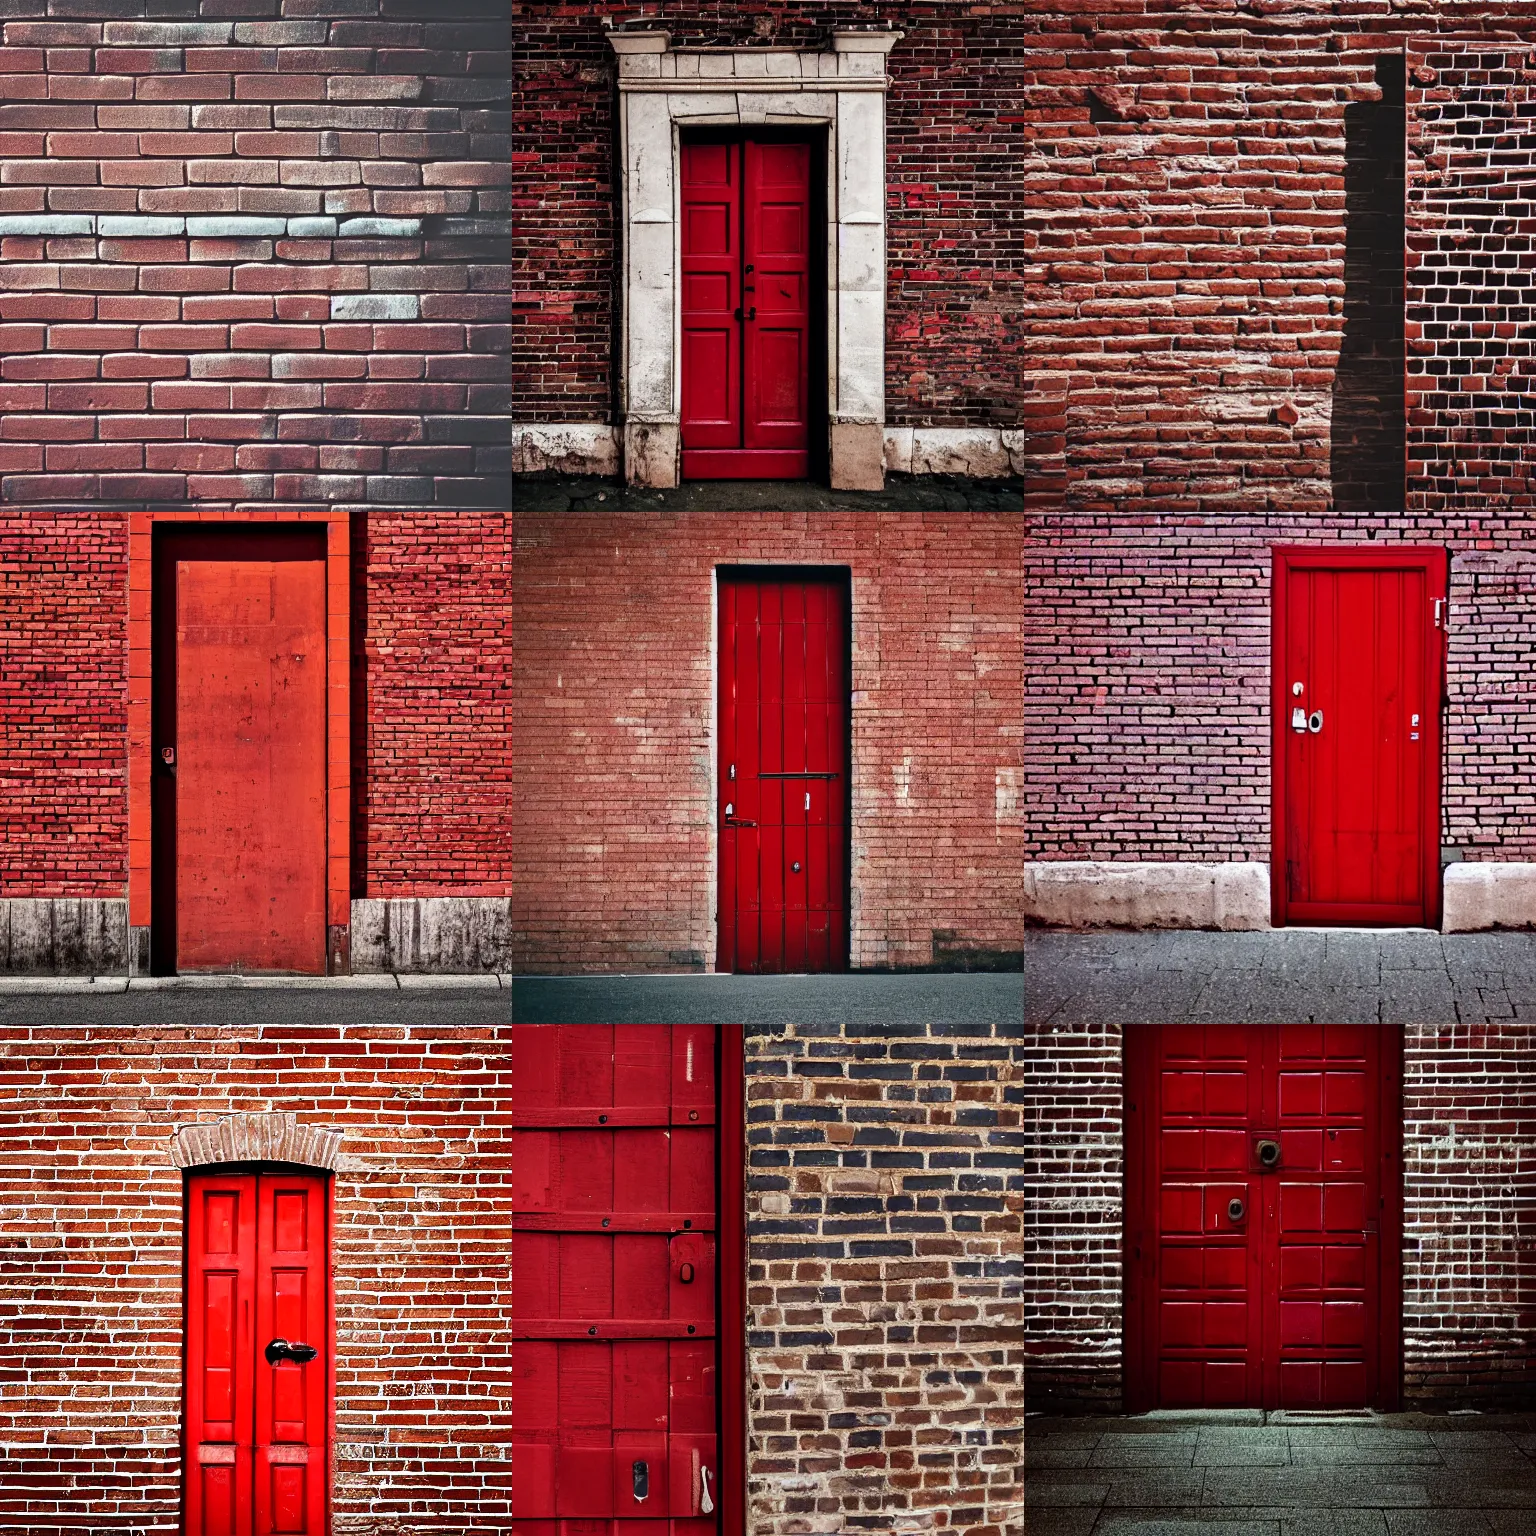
(1367, 460)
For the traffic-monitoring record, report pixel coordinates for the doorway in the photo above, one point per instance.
(750, 306)
(783, 773)
(1357, 677)
(628, 1395)
(239, 791)
(258, 1358)
(1263, 1216)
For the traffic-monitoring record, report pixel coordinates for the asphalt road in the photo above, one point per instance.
(295, 1005)
(971, 998)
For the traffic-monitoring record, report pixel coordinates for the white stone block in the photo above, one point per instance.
(46, 224)
(974, 451)
(701, 106)
(568, 447)
(716, 66)
(750, 64)
(301, 228)
(861, 258)
(687, 65)
(367, 226)
(109, 224)
(860, 156)
(1107, 894)
(861, 356)
(375, 306)
(166, 34)
(777, 63)
(648, 154)
(228, 226)
(1483, 896)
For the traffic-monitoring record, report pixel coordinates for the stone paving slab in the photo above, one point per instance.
(902, 493)
(1216, 1474)
(1279, 977)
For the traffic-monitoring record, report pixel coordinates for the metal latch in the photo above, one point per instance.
(641, 1473)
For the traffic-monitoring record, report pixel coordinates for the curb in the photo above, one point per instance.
(392, 982)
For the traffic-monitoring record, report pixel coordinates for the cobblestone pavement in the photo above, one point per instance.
(1291, 975)
(902, 493)
(964, 998)
(1250, 1474)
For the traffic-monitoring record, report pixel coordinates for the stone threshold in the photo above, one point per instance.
(401, 981)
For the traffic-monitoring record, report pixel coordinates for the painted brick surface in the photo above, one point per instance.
(956, 250)
(1467, 1229)
(184, 196)
(884, 1205)
(1148, 655)
(91, 1320)
(63, 705)
(431, 815)
(431, 765)
(612, 732)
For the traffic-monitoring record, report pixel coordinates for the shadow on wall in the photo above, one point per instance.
(1369, 446)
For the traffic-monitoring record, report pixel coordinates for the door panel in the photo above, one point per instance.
(256, 1429)
(783, 775)
(240, 701)
(614, 1355)
(746, 285)
(1357, 711)
(1250, 1282)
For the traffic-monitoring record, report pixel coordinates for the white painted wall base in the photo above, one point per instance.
(1483, 896)
(592, 448)
(1110, 894)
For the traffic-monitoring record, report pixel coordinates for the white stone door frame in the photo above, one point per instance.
(663, 90)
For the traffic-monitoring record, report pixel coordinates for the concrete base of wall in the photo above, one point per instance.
(1482, 896)
(453, 935)
(445, 935)
(1109, 894)
(53, 936)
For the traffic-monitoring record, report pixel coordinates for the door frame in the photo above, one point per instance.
(731, 1272)
(1138, 1269)
(238, 1169)
(142, 527)
(843, 576)
(818, 359)
(1433, 561)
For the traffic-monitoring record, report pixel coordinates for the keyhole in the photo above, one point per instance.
(685, 1274)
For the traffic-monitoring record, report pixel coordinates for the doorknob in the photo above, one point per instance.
(281, 1349)
(641, 1473)
(1269, 1153)
(1235, 1209)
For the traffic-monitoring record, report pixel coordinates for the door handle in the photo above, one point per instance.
(1268, 1153)
(281, 1349)
(751, 314)
(641, 1473)
(706, 1504)
(168, 760)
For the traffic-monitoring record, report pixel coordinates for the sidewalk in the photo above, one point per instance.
(1285, 976)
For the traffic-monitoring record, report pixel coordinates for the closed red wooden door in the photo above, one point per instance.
(256, 1443)
(239, 751)
(1357, 717)
(746, 277)
(783, 774)
(1261, 1216)
(614, 1397)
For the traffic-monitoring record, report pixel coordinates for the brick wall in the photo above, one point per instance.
(1470, 358)
(613, 751)
(1074, 1214)
(884, 1205)
(431, 765)
(253, 252)
(1469, 1192)
(955, 250)
(431, 727)
(63, 705)
(91, 1294)
(1147, 647)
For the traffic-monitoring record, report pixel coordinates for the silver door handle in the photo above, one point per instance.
(706, 1504)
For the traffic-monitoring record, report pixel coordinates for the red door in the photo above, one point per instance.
(1358, 663)
(746, 237)
(783, 774)
(256, 1366)
(614, 1280)
(239, 751)
(1262, 1229)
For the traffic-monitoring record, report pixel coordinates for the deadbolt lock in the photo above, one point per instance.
(1315, 721)
(1269, 1153)
(1235, 1209)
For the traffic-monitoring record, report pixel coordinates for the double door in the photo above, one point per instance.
(746, 308)
(255, 1449)
(1262, 1179)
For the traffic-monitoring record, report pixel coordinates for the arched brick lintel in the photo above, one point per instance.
(255, 1138)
